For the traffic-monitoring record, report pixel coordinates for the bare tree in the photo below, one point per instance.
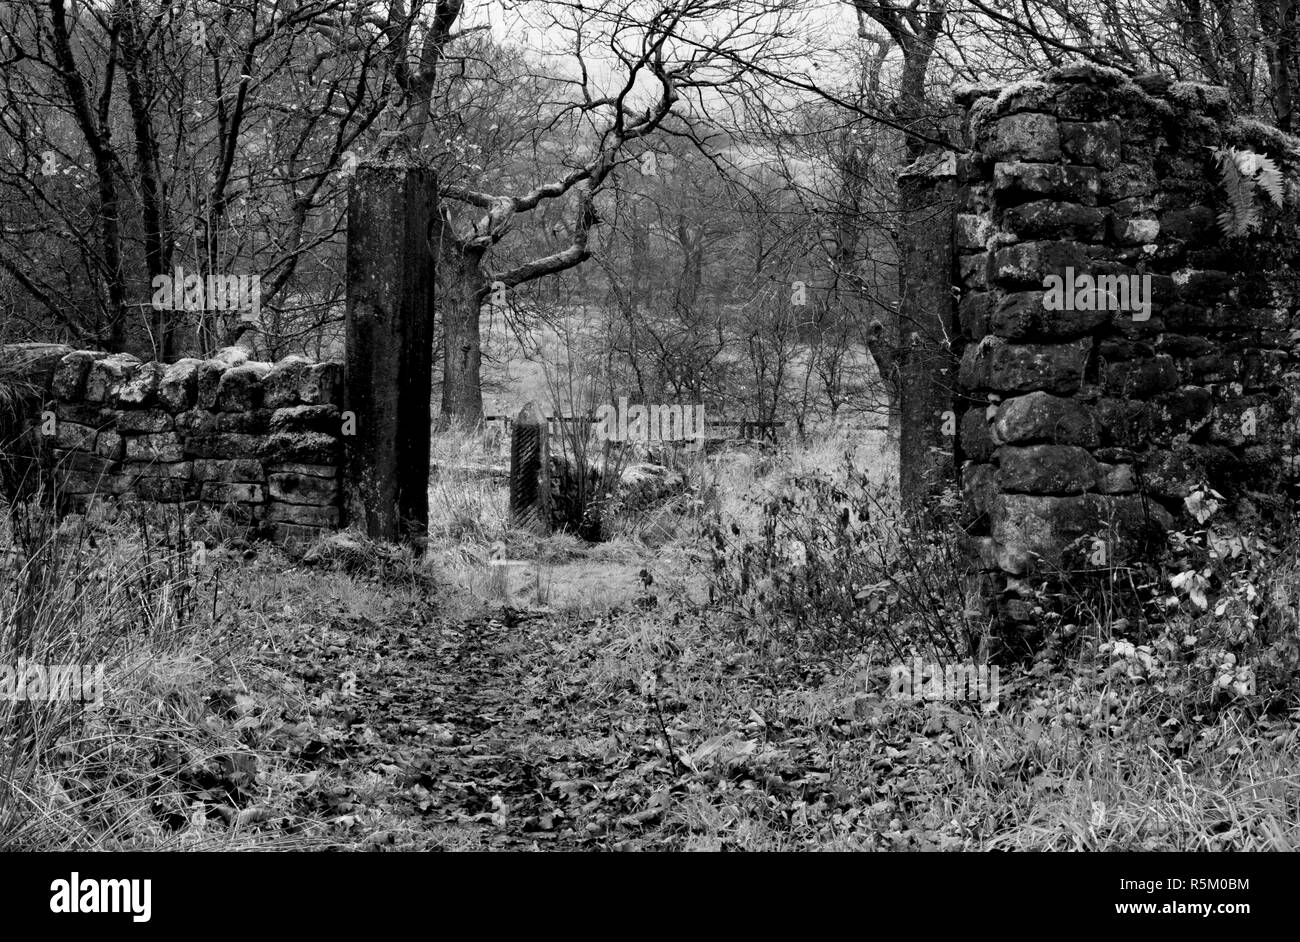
(654, 57)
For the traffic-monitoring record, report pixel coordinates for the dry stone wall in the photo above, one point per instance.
(1082, 430)
(259, 441)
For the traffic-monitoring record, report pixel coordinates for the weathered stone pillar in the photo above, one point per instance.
(530, 471)
(925, 363)
(1119, 349)
(389, 359)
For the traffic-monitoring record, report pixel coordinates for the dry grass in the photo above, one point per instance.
(176, 702)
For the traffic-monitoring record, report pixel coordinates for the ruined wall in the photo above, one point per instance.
(259, 441)
(1081, 431)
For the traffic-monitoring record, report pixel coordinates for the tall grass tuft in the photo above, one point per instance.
(467, 492)
(122, 596)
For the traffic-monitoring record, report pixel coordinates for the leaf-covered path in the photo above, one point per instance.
(527, 730)
(486, 733)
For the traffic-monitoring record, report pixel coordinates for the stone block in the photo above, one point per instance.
(178, 385)
(138, 391)
(1135, 230)
(1018, 182)
(252, 422)
(1045, 527)
(69, 381)
(226, 491)
(281, 384)
(108, 375)
(73, 435)
(323, 418)
(1116, 479)
(974, 230)
(1127, 181)
(237, 470)
(1096, 143)
(145, 421)
(1021, 368)
(110, 445)
(1043, 417)
(222, 492)
(208, 381)
(1124, 422)
(300, 489)
(1023, 315)
(1028, 136)
(160, 447)
(1029, 263)
(1239, 422)
(300, 447)
(1054, 219)
(279, 512)
(1046, 469)
(223, 445)
(1182, 411)
(1140, 379)
(240, 388)
(994, 556)
(196, 422)
(307, 470)
(1205, 288)
(170, 470)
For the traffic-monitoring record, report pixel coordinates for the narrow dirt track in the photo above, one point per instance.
(470, 736)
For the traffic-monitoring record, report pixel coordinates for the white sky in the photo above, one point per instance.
(815, 25)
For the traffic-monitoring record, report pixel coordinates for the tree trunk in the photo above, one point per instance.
(462, 288)
(153, 196)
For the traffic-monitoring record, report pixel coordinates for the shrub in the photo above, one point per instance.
(834, 564)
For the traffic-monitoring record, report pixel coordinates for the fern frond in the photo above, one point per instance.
(1241, 172)
(1270, 180)
(1235, 220)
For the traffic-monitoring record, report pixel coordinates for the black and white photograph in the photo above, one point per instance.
(588, 426)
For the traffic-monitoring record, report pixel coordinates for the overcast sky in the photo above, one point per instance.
(816, 27)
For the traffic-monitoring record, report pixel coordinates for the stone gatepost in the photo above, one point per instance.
(389, 365)
(530, 471)
(924, 362)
